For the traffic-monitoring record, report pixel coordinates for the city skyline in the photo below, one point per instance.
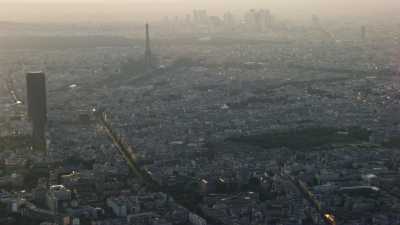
(130, 10)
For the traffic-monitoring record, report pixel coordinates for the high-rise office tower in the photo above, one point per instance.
(228, 18)
(37, 108)
(268, 18)
(188, 19)
(196, 18)
(148, 56)
(363, 33)
(251, 20)
(263, 19)
(315, 21)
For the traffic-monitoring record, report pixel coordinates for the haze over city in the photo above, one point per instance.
(199, 112)
(137, 10)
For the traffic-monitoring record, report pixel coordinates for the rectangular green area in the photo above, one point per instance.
(305, 138)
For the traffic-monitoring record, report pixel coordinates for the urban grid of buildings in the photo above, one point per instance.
(215, 120)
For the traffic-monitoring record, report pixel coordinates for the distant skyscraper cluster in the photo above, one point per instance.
(258, 20)
(255, 20)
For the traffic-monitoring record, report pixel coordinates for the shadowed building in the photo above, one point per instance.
(37, 108)
(148, 56)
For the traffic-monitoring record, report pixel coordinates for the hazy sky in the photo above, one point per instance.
(125, 10)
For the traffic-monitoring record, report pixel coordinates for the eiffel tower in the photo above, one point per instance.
(148, 57)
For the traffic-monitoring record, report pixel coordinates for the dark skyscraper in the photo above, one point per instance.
(148, 56)
(37, 108)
